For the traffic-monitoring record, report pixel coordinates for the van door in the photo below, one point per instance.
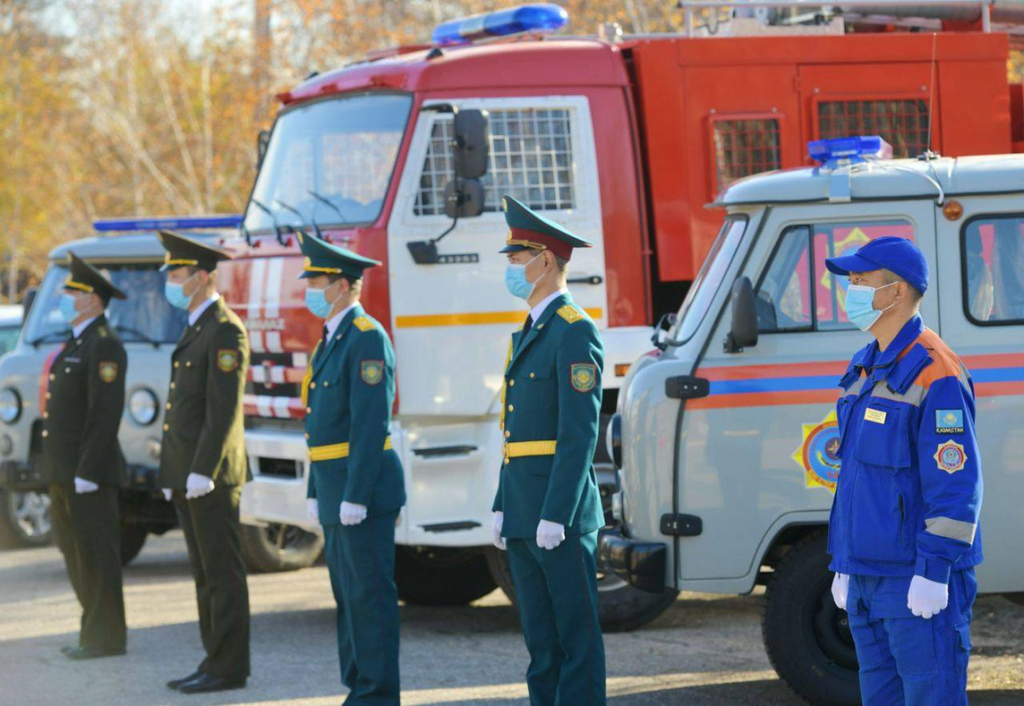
(981, 273)
(758, 452)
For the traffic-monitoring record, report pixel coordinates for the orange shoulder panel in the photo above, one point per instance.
(946, 363)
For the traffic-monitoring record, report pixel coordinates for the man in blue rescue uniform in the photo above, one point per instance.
(903, 534)
(548, 509)
(356, 484)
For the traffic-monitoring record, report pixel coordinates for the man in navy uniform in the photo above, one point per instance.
(547, 510)
(903, 534)
(356, 484)
(82, 460)
(203, 461)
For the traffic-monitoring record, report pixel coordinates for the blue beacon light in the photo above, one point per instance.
(830, 153)
(542, 17)
(185, 222)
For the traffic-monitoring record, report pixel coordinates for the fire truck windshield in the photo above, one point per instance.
(329, 162)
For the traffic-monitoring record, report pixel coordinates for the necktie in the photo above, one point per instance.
(526, 327)
(323, 338)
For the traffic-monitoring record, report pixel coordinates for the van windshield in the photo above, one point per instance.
(329, 162)
(709, 279)
(144, 316)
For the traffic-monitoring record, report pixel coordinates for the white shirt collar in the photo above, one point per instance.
(335, 321)
(536, 311)
(80, 329)
(193, 316)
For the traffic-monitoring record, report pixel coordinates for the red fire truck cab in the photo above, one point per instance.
(623, 143)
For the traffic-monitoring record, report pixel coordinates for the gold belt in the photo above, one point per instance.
(329, 453)
(518, 449)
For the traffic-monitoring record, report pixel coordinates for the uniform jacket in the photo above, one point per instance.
(553, 392)
(203, 422)
(84, 404)
(349, 391)
(910, 488)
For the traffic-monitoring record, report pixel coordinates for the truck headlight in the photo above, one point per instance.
(10, 405)
(613, 439)
(143, 406)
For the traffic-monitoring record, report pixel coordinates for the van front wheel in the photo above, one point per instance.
(806, 636)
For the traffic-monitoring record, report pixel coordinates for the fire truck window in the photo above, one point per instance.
(744, 147)
(901, 123)
(531, 159)
(798, 293)
(992, 257)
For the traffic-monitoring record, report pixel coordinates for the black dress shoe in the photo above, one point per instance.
(206, 683)
(176, 683)
(80, 653)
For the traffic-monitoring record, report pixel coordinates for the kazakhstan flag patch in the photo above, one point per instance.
(949, 421)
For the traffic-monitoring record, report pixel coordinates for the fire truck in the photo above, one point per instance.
(404, 157)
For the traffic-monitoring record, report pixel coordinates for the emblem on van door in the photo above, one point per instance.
(817, 454)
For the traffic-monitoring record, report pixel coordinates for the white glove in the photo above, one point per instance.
(840, 590)
(168, 494)
(85, 486)
(550, 534)
(499, 520)
(312, 509)
(352, 514)
(927, 598)
(196, 486)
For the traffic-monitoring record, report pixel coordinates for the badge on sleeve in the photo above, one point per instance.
(108, 371)
(371, 371)
(949, 421)
(583, 376)
(227, 360)
(951, 457)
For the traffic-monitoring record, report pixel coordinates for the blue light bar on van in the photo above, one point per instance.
(850, 149)
(542, 17)
(185, 223)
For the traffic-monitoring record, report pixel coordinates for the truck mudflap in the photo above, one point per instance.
(641, 564)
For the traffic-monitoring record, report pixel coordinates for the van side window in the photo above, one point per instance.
(531, 158)
(992, 263)
(797, 292)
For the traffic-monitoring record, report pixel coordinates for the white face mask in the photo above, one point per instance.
(860, 307)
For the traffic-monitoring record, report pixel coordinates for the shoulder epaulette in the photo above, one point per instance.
(362, 323)
(223, 318)
(570, 313)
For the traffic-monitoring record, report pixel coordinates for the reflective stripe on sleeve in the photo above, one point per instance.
(951, 529)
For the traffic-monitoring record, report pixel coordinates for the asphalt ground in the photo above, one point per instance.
(704, 650)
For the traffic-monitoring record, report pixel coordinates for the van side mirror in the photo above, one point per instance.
(667, 321)
(471, 145)
(743, 332)
(262, 140)
(463, 198)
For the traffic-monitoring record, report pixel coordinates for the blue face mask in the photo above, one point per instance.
(860, 308)
(316, 302)
(66, 306)
(516, 282)
(175, 294)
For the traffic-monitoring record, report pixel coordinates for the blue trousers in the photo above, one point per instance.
(361, 562)
(907, 660)
(557, 595)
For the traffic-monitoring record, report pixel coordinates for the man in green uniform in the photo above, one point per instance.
(203, 462)
(548, 509)
(82, 461)
(356, 484)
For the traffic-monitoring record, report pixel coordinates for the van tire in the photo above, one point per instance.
(439, 576)
(273, 548)
(25, 519)
(133, 536)
(807, 638)
(620, 607)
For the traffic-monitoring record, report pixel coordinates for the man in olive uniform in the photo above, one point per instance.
(548, 509)
(203, 462)
(356, 484)
(81, 458)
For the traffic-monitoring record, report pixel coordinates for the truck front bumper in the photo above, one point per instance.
(15, 475)
(642, 564)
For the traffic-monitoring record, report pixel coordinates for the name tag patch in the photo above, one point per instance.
(874, 415)
(949, 421)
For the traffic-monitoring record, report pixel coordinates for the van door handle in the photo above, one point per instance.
(592, 279)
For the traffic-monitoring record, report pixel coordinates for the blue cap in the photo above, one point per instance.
(898, 255)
